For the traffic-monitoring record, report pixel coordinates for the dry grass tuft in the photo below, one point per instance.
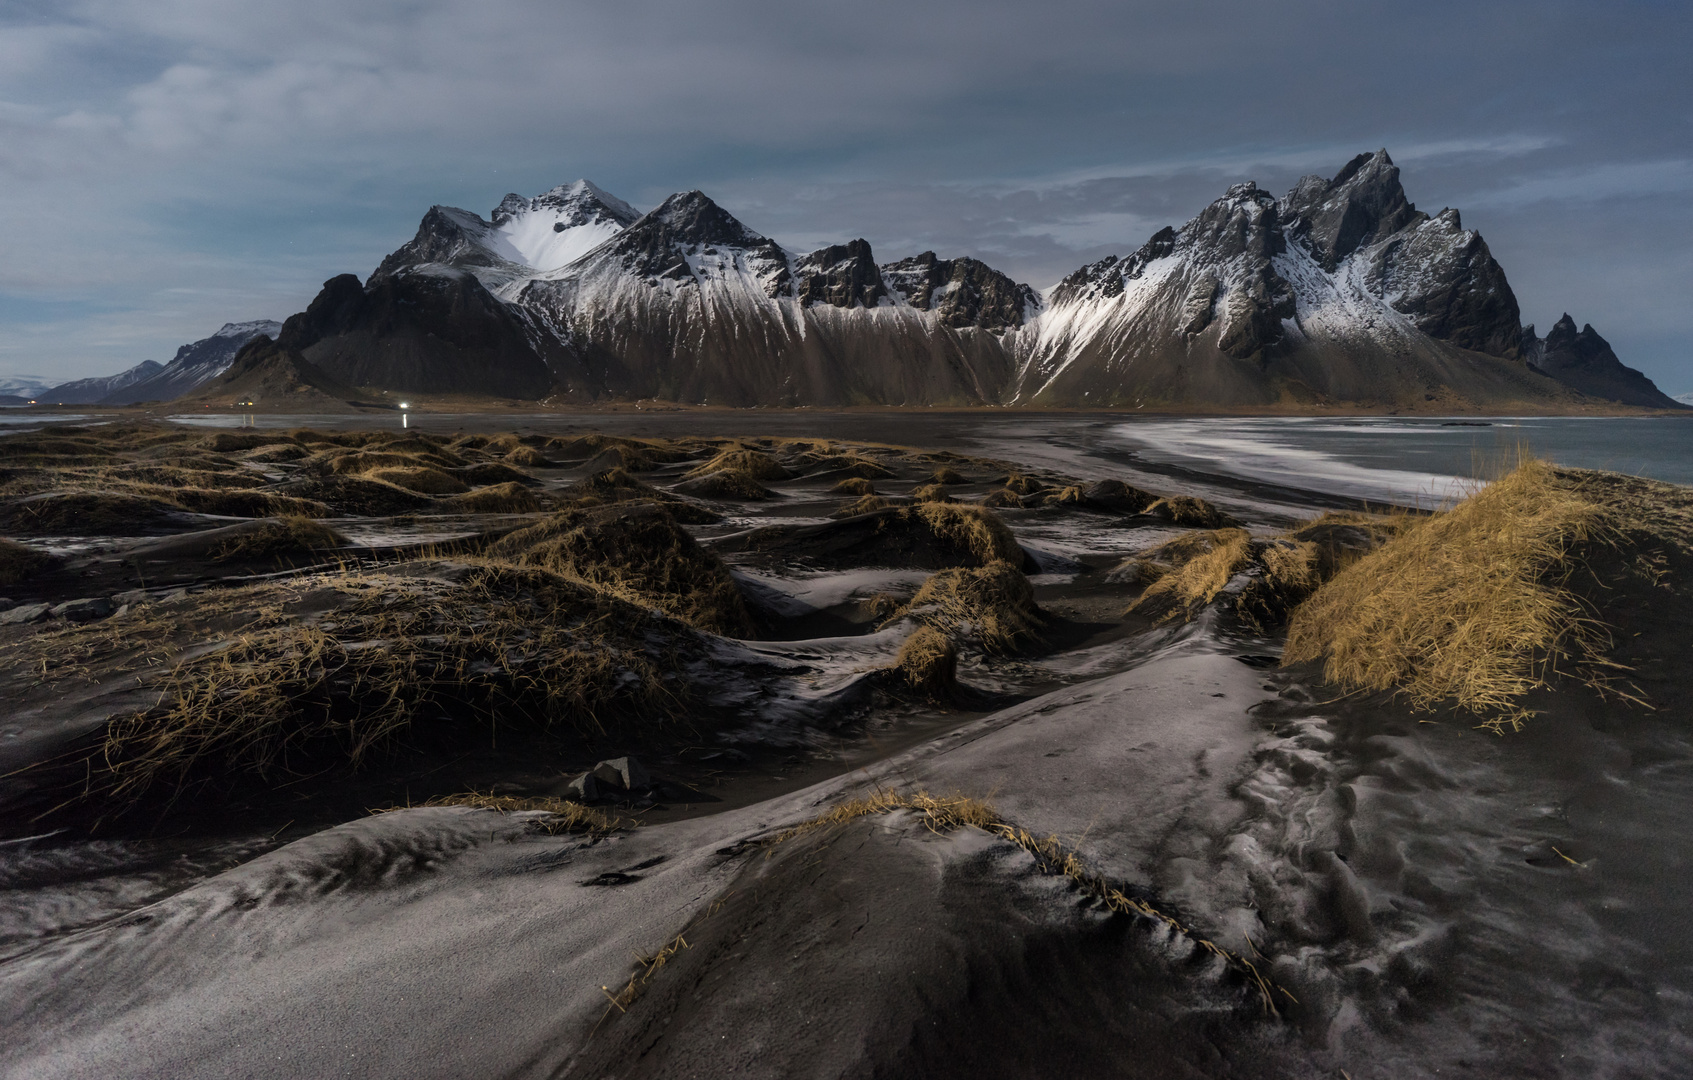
(853, 485)
(291, 699)
(1191, 512)
(85, 513)
(759, 466)
(227, 442)
(281, 536)
(867, 504)
(638, 553)
(931, 493)
(1071, 495)
(1003, 497)
(971, 528)
(993, 604)
(1468, 606)
(1200, 566)
(928, 665)
(244, 503)
(726, 484)
(20, 563)
(1296, 565)
(507, 498)
(423, 479)
(947, 475)
(564, 816)
(527, 457)
(1018, 484)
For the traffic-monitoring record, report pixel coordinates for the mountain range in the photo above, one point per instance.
(1339, 292)
(193, 366)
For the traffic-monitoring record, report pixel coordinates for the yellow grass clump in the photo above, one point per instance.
(281, 536)
(1468, 606)
(947, 475)
(423, 479)
(527, 456)
(999, 497)
(638, 553)
(867, 504)
(1018, 484)
(726, 484)
(928, 664)
(1190, 511)
(507, 498)
(288, 699)
(931, 493)
(1201, 564)
(758, 465)
(971, 527)
(993, 603)
(853, 485)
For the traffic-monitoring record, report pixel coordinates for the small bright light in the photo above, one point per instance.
(403, 405)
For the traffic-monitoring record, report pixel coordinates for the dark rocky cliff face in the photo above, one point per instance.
(962, 292)
(418, 332)
(841, 275)
(1586, 361)
(1431, 269)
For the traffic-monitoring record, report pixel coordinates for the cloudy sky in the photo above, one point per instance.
(170, 165)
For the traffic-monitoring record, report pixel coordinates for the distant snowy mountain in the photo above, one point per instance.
(1340, 291)
(22, 386)
(1685, 399)
(194, 365)
(90, 391)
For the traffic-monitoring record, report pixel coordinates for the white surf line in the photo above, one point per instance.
(1251, 448)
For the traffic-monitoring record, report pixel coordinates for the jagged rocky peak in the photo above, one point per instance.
(689, 239)
(1362, 204)
(1586, 361)
(1104, 279)
(841, 275)
(1243, 222)
(962, 292)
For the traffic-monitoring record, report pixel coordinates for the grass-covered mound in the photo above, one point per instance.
(87, 513)
(726, 484)
(507, 498)
(993, 605)
(927, 665)
(929, 535)
(638, 552)
(20, 563)
(1543, 576)
(617, 486)
(754, 463)
(279, 538)
(333, 672)
(360, 496)
(856, 486)
(1294, 566)
(1187, 573)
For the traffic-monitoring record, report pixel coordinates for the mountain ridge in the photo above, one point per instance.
(1339, 292)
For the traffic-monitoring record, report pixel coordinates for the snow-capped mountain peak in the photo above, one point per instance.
(525, 237)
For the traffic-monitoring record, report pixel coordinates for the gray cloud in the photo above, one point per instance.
(166, 166)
